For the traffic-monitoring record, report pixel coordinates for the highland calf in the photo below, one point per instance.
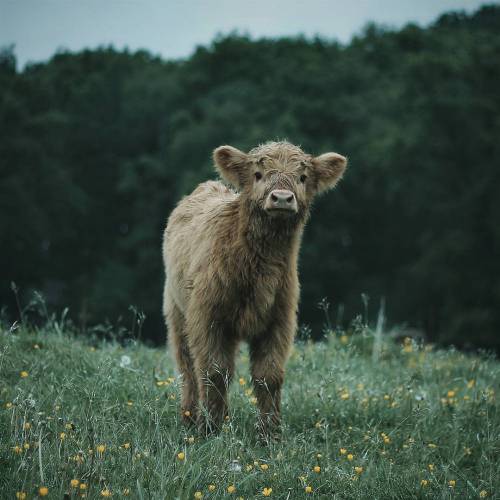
(231, 265)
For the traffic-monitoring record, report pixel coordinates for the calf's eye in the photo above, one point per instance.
(258, 176)
(303, 178)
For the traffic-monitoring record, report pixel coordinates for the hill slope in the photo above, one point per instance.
(417, 423)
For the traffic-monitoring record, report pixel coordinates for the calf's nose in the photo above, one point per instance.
(281, 199)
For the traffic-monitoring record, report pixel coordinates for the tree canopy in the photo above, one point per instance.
(96, 148)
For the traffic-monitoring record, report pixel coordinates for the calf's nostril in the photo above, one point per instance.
(274, 197)
(289, 199)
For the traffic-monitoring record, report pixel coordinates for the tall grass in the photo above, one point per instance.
(86, 418)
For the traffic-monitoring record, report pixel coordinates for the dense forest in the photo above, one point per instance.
(96, 148)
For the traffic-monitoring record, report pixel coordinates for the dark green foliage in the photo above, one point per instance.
(97, 147)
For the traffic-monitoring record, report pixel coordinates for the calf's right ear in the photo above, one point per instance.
(232, 164)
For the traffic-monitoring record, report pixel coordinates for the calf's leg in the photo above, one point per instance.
(179, 346)
(214, 361)
(268, 356)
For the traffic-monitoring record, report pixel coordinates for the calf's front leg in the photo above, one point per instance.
(214, 363)
(268, 356)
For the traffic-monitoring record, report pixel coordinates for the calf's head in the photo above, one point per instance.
(278, 180)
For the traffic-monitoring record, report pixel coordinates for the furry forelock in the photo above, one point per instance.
(282, 151)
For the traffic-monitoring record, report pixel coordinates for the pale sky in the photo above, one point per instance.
(173, 28)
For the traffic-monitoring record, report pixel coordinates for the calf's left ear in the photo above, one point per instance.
(232, 164)
(328, 170)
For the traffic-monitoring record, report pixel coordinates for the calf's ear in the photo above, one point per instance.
(232, 164)
(328, 170)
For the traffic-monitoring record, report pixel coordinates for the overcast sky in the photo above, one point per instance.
(173, 28)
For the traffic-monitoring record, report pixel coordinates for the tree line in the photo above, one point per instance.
(96, 147)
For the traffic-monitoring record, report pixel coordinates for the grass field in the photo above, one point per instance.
(84, 418)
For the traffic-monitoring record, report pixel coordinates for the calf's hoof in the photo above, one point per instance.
(268, 433)
(208, 426)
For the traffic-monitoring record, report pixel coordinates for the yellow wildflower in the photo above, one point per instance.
(344, 339)
(187, 413)
(470, 385)
(452, 483)
(181, 456)
(343, 451)
(249, 467)
(387, 440)
(253, 400)
(101, 448)
(126, 492)
(126, 445)
(198, 494)
(24, 374)
(431, 467)
(26, 446)
(43, 491)
(211, 487)
(308, 489)
(344, 395)
(358, 470)
(62, 436)
(432, 445)
(350, 457)
(74, 483)
(468, 451)
(21, 495)
(83, 486)
(130, 403)
(408, 348)
(317, 469)
(8, 405)
(451, 394)
(424, 483)
(17, 449)
(26, 426)
(264, 466)
(267, 492)
(231, 488)
(483, 494)
(190, 439)
(242, 381)
(106, 493)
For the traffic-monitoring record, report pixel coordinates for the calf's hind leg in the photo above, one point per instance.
(185, 364)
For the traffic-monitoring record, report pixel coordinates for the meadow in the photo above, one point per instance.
(364, 416)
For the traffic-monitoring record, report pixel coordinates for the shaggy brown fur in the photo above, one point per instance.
(231, 265)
